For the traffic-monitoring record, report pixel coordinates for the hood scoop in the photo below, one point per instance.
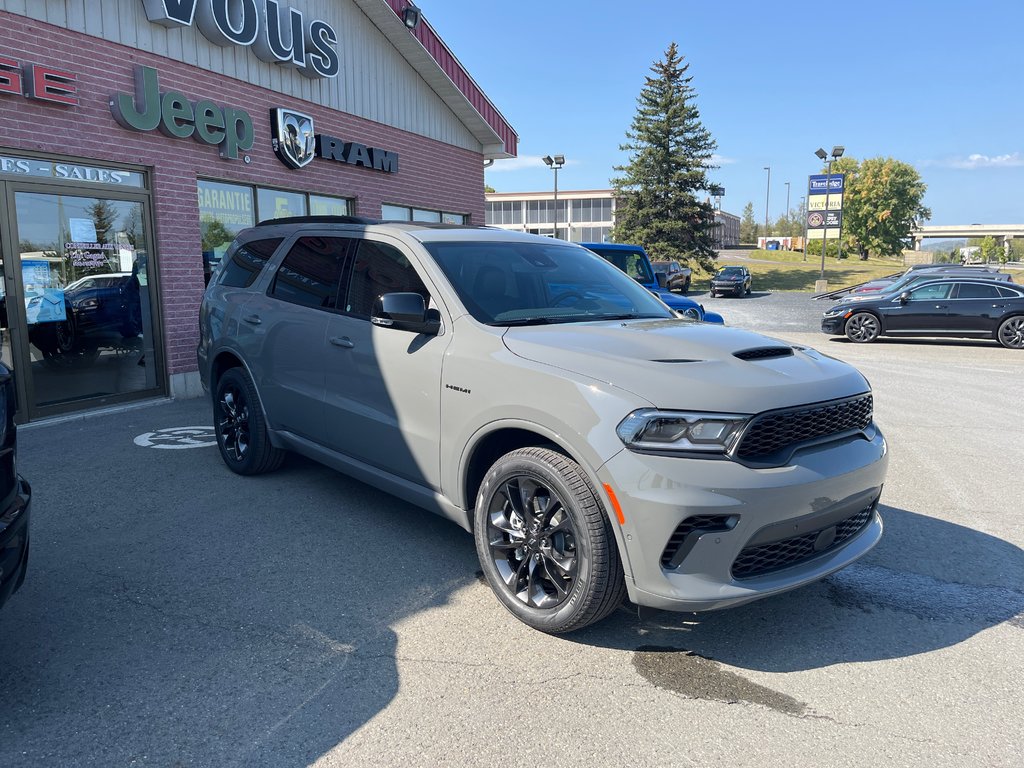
(763, 353)
(677, 360)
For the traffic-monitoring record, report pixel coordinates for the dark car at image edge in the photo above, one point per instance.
(959, 307)
(17, 496)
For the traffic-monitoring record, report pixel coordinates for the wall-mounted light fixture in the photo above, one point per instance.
(412, 15)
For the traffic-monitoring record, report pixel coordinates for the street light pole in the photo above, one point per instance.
(767, 194)
(837, 152)
(554, 163)
(787, 204)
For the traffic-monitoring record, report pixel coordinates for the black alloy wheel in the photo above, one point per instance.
(545, 543)
(862, 328)
(1011, 332)
(241, 429)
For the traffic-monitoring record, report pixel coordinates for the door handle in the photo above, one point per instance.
(252, 319)
(998, 306)
(342, 341)
(940, 306)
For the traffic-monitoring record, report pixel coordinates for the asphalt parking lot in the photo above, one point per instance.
(177, 614)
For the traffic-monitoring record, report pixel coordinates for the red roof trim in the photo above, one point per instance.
(445, 59)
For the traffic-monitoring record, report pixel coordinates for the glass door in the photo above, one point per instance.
(84, 302)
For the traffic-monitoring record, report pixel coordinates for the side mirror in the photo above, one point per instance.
(405, 312)
(904, 297)
(661, 278)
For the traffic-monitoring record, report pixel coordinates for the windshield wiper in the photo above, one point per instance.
(526, 321)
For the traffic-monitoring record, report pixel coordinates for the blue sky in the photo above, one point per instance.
(939, 85)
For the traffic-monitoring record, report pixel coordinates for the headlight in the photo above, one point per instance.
(691, 312)
(837, 311)
(653, 430)
(87, 304)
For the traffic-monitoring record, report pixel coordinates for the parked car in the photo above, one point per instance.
(105, 303)
(732, 280)
(15, 496)
(633, 260)
(595, 443)
(952, 307)
(921, 272)
(672, 275)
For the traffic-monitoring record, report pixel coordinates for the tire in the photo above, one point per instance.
(862, 328)
(1011, 332)
(241, 429)
(556, 570)
(748, 290)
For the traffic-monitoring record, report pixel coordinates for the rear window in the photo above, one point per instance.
(242, 268)
(631, 262)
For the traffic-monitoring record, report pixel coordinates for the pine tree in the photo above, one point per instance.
(670, 153)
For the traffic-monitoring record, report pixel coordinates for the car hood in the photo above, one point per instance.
(688, 365)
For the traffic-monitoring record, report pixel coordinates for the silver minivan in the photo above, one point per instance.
(597, 445)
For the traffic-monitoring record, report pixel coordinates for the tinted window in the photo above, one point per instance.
(931, 292)
(246, 263)
(630, 262)
(311, 272)
(977, 291)
(378, 269)
(1009, 293)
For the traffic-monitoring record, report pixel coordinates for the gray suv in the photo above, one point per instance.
(595, 444)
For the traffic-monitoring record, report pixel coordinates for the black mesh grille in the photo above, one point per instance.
(763, 353)
(766, 558)
(688, 526)
(774, 431)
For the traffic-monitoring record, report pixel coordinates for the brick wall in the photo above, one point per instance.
(432, 174)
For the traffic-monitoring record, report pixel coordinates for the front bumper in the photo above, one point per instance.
(758, 532)
(14, 541)
(734, 288)
(833, 325)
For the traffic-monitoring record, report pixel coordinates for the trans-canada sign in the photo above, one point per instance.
(296, 144)
(276, 35)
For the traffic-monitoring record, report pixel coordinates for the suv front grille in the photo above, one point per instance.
(767, 558)
(772, 432)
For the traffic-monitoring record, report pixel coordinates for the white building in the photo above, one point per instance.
(583, 216)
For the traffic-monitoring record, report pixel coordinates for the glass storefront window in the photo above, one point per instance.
(319, 205)
(395, 213)
(86, 296)
(419, 214)
(279, 204)
(224, 210)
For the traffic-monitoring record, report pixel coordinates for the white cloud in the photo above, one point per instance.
(521, 163)
(971, 162)
(720, 160)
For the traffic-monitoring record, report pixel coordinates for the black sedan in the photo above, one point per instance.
(964, 307)
(16, 496)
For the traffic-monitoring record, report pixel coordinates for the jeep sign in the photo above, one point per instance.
(179, 118)
(276, 35)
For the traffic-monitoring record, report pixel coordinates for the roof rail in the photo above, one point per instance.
(318, 220)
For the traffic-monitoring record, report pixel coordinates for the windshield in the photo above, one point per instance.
(535, 283)
(731, 272)
(632, 263)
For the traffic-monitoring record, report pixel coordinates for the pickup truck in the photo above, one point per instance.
(633, 260)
